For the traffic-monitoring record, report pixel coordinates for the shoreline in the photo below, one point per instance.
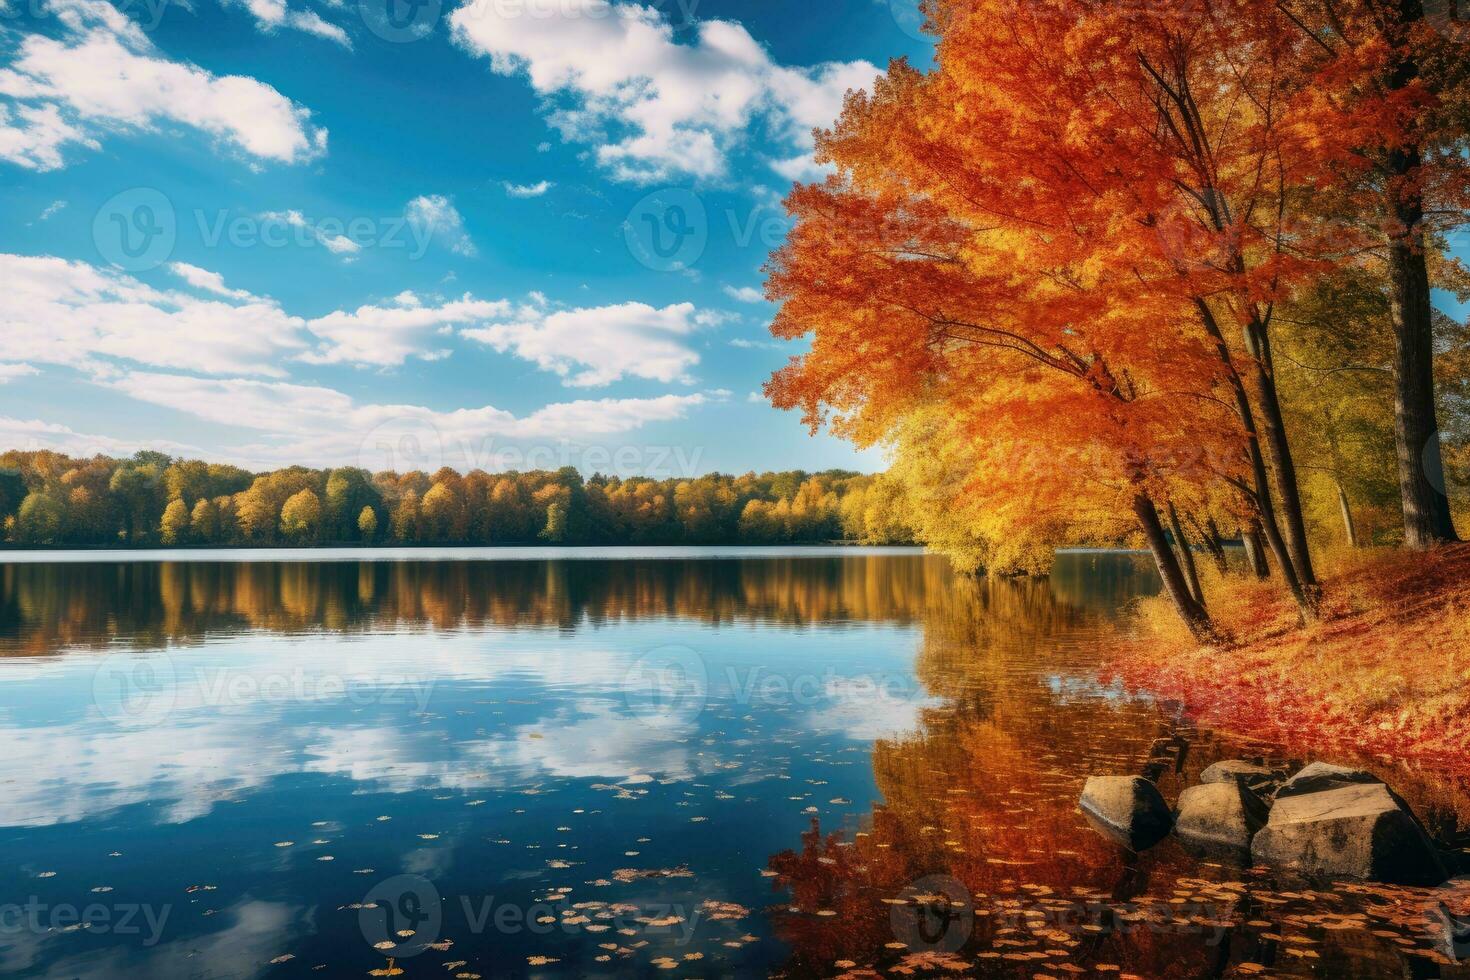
(448, 553)
(1385, 674)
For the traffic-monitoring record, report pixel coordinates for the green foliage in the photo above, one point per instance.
(555, 530)
(348, 491)
(1334, 358)
(41, 518)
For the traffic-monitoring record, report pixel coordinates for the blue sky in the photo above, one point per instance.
(501, 233)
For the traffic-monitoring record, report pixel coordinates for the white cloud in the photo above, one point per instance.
(36, 434)
(386, 336)
(103, 74)
(272, 15)
(434, 215)
(605, 342)
(9, 372)
(744, 294)
(56, 311)
(213, 745)
(801, 168)
(32, 136)
(335, 243)
(305, 422)
(655, 107)
(864, 711)
(527, 190)
(211, 282)
(50, 210)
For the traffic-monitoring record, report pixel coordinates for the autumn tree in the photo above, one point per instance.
(174, 527)
(367, 524)
(72, 501)
(258, 509)
(137, 486)
(1168, 158)
(1386, 96)
(41, 518)
(443, 513)
(301, 516)
(204, 521)
(348, 490)
(1336, 373)
(905, 302)
(406, 517)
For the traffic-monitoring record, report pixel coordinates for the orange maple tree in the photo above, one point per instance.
(1082, 219)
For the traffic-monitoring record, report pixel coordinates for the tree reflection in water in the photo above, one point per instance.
(44, 607)
(978, 823)
(978, 860)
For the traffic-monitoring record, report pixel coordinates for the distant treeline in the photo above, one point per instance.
(152, 499)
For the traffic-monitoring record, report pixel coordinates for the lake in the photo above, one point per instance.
(662, 762)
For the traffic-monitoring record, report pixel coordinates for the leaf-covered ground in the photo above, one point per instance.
(1385, 672)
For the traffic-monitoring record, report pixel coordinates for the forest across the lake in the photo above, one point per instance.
(49, 499)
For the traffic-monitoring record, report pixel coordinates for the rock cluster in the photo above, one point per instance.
(1323, 820)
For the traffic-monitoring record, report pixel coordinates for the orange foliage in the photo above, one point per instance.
(1385, 671)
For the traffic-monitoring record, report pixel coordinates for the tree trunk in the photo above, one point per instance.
(1186, 556)
(1255, 550)
(1282, 466)
(1416, 435)
(1347, 517)
(1265, 507)
(1427, 519)
(1215, 544)
(1175, 587)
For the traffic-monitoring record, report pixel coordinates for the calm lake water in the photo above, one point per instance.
(677, 762)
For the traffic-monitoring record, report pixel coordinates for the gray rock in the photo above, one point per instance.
(1357, 830)
(1128, 809)
(1237, 771)
(1318, 776)
(1219, 816)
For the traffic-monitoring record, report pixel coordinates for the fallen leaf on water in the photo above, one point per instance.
(716, 911)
